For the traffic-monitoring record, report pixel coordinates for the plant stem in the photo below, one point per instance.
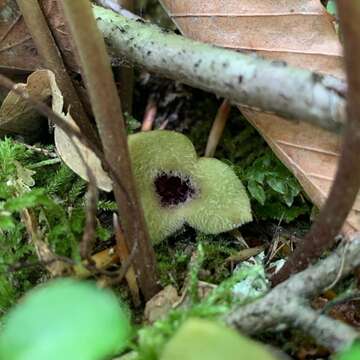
(217, 128)
(347, 181)
(51, 57)
(149, 116)
(123, 254)
(107, 109)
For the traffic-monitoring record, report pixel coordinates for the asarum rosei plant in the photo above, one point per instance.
(177, 187)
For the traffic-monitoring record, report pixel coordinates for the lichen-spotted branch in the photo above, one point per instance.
(287, 305)
(270, 86)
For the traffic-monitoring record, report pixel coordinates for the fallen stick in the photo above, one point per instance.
(287, 304)
(249, 80)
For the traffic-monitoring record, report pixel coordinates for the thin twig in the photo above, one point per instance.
(52, 60)
(43, 252)
(125, 74)
(108, 114)
(92, 194)
(11, 46)
(8, 30)
(149, 116)
(124, 267)
(116, 6)
(89, 235)
(101, 261)
(285, 303)
(123, 253)
(217, 128)
(39, 150)
(341, 269)
(355, 296)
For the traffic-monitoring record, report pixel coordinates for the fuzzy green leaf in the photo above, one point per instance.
(223, 203)
(218, 200)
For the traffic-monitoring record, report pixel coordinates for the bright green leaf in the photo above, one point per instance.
(277, 184)
(353, 353)
(331, 7)
(257, 191)
(176, 187)
(65, 319)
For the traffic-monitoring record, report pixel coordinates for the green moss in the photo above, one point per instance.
(152, 339)
(173, 257)
(217, 250)
(55, 196)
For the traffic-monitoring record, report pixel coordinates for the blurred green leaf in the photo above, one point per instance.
(65, 319)
(199, 339)
(353, 353)
(331, 7)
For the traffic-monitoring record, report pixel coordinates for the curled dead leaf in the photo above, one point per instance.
(68, 151)
(18, 117)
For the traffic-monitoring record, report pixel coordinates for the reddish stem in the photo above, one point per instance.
(149, 116)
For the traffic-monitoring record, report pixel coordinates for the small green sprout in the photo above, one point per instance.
(177, 187)
(200, 339)
(65, 319)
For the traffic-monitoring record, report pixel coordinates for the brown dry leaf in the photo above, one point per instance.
(18, 117)
(245, 254)
(17, 51)
(58, 26)
(298, 32)
(159, 305)
(69, 154)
